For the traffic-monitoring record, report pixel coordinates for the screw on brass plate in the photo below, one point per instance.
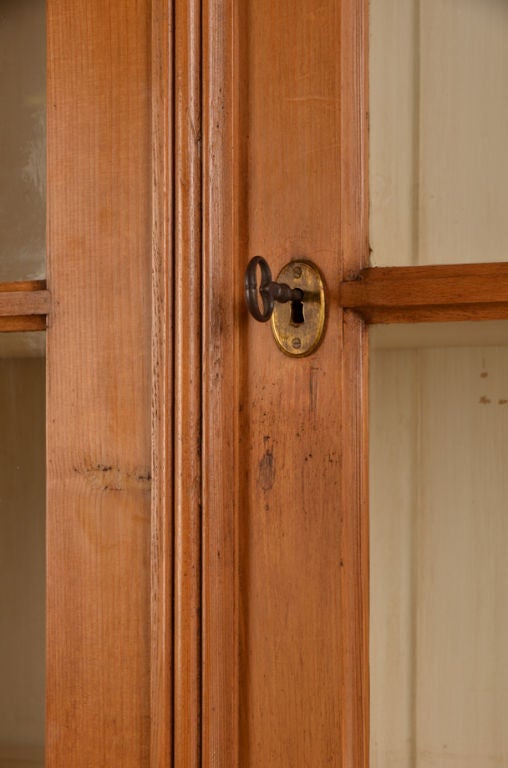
(298, 325)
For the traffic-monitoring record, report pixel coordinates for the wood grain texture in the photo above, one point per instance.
(280, 667)
(24, 305)
(303, 662)
(162, 561)
(354, 137)
(99, 384)
(424, 294)
(188, 384)
(354, 545)
(222, 472)
(290, 528)
(23, 323)
(353, 397)
(21, 302)
(23, 285)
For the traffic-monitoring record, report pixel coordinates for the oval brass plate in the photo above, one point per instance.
(298, 326)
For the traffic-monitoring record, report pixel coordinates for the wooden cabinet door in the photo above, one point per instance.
(271, 562)
(282, 527)
(207, 543)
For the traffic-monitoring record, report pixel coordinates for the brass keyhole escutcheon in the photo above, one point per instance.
(298, 325)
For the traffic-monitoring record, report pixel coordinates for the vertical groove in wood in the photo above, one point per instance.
(188, 383)
(241, 416)
(161, 666)
(99, 383)
(221, 303)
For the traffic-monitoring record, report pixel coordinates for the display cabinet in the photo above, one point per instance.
(220, 591)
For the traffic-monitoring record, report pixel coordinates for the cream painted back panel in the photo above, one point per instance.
(438, 131)
(439, 565)
(394, 414)
(22, 561)
(21, 757)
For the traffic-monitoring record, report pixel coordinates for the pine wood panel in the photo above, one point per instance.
(284, 524)
(353, 399)
(162, 562)
(284, 534)
(223, 360)
(187, 293)
(23, 302)
(354, 151)
(99, 384)
(354, 545)
(23, 285)
(23, 323)
(24, 305)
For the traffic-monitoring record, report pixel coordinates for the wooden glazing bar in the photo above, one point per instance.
(427, 294)
(17, 302)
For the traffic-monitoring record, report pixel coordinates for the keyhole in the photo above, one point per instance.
(297, 317)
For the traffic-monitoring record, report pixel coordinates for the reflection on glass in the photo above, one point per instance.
(439, 128)
(439, 538)
(22, 550)
(22, 139)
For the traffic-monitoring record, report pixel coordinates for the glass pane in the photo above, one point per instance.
(22, 550)
(439, 537)
(22, 140)
(439, 128)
